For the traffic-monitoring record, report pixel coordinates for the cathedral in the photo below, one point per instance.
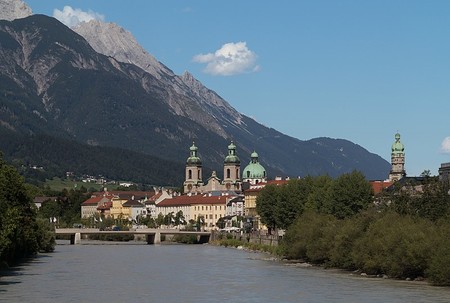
(253, 173)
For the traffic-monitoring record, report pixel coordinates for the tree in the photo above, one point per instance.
(266, 205)
(291, 200)
(179, 218)
(350, 194)
(320, 197)
(159, 220)
(20, 234)
(426, 173)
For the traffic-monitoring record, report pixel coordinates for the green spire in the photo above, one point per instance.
(232, 158)
(397, 148)
(194, 158)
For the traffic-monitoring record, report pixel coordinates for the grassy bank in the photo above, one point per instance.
(276, 251)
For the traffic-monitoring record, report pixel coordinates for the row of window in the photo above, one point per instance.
(206, 217)
(207, 207)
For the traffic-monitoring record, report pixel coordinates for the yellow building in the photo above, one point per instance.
(207, 207)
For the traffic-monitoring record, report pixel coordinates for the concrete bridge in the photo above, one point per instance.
(152, 236)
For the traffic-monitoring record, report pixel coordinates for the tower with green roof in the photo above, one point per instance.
(397, 160)
(231, 168)
(254, 172)
(193, 172)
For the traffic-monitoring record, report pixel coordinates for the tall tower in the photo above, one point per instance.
(231, 168)
(397, 160)
(193, 172)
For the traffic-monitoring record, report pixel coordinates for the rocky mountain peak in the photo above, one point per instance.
(14, 9)
(114, 41)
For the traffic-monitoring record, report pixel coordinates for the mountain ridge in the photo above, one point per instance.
(61, 86)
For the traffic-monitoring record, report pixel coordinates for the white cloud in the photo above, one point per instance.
(230, 59)
(72, 17)
(445, 145)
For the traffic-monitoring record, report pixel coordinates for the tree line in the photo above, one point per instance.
(402, 233)
(22, 232)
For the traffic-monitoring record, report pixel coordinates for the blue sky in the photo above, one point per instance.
(356, 70)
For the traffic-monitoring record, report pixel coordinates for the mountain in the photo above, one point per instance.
(14, 9)
(109, 92)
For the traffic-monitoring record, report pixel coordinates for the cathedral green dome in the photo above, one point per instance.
(398, 147)
(232, 158)
(193, 159)
(254, 170)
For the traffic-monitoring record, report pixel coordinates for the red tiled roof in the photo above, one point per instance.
(155, 197)
(194, 199)
(378, 186)
(125, 193)
(95, 200)
(277, 182)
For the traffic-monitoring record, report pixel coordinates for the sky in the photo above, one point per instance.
(355, 70)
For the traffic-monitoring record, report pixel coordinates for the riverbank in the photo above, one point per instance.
(275, 253)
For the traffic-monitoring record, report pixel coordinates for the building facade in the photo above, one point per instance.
(193, 182)
(206, 208)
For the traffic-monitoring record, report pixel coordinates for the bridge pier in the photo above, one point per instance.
(154, 238)
(75, 238)
(202, 239)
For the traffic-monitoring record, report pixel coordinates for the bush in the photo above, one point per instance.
(349, 232)
(438, 271)
(395, 245)
(310, 238)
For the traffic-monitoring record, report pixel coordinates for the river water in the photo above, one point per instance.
(192, 273)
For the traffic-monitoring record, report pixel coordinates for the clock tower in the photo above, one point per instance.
(397, 160)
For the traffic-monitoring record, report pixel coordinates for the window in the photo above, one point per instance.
(228, 173)
(189, 174)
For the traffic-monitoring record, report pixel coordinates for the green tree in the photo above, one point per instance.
(20, 233)
(292, 200)
(159, 220)
(398, 246)
(267, 205)
(350, 194)
(310, 238)
(319, 198)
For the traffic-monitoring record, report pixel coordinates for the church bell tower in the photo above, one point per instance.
(193, 172)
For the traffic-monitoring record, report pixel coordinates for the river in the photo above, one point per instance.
(192, 273)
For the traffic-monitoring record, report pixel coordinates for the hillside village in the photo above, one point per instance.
(218, 203)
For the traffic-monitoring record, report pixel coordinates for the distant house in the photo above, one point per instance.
(150, 203)
(132, 209)
(236, 206)
(112, 204)
(89, 207)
